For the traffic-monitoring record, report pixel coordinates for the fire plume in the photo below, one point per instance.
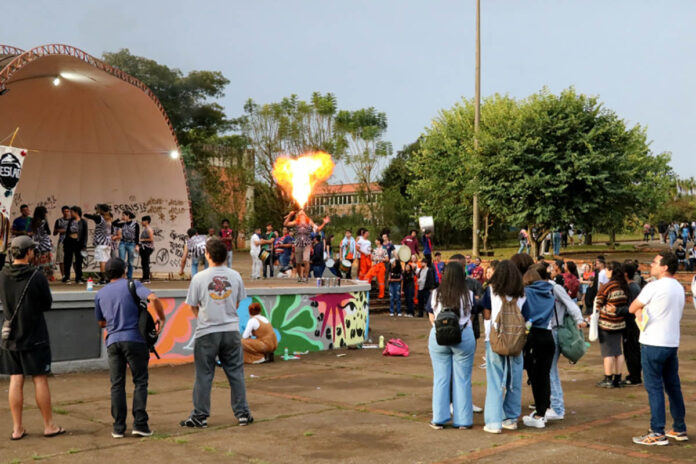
(298, 176)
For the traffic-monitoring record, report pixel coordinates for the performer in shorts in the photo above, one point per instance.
(303, 240)
(102, 239)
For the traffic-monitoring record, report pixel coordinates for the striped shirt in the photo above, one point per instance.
(128, 231)
(42, 238)
(196, 246)
(102, 232)
(611, 293)
(145, 235)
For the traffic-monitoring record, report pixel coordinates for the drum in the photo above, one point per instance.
(403, 253)
(426, 224)
(345, 266)
(330, 263)
(263, 256)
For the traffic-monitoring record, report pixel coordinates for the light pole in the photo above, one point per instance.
(477, 119)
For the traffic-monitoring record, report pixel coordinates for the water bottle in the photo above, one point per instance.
(90, 284)
(286, 356)
(528, 325)
(381, 341)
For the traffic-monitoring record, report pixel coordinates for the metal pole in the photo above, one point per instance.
(477, 118)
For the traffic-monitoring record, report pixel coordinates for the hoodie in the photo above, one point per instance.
(29, 329)
(540, 303)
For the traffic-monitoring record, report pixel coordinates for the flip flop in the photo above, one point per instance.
(13, 438)
(60, 431)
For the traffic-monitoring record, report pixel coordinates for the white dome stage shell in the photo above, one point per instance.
(94, 134)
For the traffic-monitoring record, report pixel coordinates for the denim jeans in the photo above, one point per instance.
(127, 248)
(318, 271)
(452, 367)
(556, 238)
(136, 356)
(523, 246)
(503, 388)
(227, 346)
(408, 297)
(557, 403)
(660, 375)
(395, 297)
(229, 259)
(196, 263)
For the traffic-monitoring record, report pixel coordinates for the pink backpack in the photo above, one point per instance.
(395, 347)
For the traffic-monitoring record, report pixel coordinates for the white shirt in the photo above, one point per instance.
(253, 324)
(255, 247)
(364, 247)
(602, 279)
(496, 305)
(437, 307)
(664, 305)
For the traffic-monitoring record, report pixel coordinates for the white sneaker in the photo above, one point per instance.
(476, 409)
(552, 416)
(399, 315)
(536, 422)
(491, 430)
(391, 314)
(510, 424)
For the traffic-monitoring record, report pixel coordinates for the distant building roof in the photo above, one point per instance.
(336, 189)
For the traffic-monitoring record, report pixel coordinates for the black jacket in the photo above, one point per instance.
(29, 329)
(81, 233)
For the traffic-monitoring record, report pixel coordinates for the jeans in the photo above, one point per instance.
(229, 259)
(145, 254)
(660, 375)
(672, 239)
(72, 254)
(196, 263)
(539, 352)
(631, 349)
(127, 248)
(452, 367)
(690, 264)
(423, 297)
(227, 346)
(394, 297)
(523, 245)
(557, 403)
(503, 388)
(318, 271)
(408, 296)
(136, 356)
(556, 238)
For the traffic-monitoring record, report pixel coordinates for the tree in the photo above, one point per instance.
(185, 98)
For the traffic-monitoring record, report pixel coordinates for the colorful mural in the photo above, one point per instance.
(302, 323)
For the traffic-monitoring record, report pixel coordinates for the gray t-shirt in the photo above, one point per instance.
(217, 292)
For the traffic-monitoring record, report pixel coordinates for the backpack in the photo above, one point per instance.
(396, 347)
(571, 284)
(447, 330)
(510, 335)
(571, 340)
(146, 324)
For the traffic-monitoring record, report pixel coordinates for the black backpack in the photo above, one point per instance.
(447, 331)
(146, 324)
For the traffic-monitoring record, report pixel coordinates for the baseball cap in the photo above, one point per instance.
(23, 242)
(115, 266)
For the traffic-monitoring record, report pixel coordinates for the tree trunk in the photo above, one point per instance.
(588, 238)
(612, 239)
(486, 225)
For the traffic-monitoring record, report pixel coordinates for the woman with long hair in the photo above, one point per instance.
(304, 228)
(42, 237)
(503, 373)
(611, 296)
(452, 364)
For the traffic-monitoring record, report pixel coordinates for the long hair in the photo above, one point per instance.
(39, 217)
(573, 268)
(453, 290)
(507, 280)
(617, 275)
(523, 261)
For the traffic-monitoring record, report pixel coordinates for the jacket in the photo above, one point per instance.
(29, 329)
(81, 232)
(564, 303)
(540, 303)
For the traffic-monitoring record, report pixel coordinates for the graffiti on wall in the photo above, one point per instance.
(301, 323)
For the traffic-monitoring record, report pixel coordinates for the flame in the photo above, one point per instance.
(298, 176)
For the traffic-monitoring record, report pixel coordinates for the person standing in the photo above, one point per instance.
(438, 267)
(427, 245)
(426, 284)
(395, 279)
(365, 249)
(304, 227)
(116, 311)
(408, 286)
(130, 236)
(102, 239)
(75, 243)
(631, 335)
(285, 244)
(146, 247)
(25, 296)
(227, 236)
(659, 308)
(611, 296)
(194, 249)
(254, 251)
(523, 238)
(42, 237)
(452, 364)
(411, 241)
(59, 228)
(213, 297)
(348, 251)
(22, 224)
(267, 241)
(378, 269)
(317, 258)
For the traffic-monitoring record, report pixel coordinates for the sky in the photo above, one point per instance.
(407, 58)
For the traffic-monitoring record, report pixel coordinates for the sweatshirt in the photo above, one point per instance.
(29, 329)
(539, 304)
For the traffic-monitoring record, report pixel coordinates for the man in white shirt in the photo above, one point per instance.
(254, 250)
(600, 266)
(658, 311)
(365, 249)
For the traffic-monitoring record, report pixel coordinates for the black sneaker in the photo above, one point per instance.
(194, 423)
(142, 431)
(116, 434)
(245, 420)
(606, 383)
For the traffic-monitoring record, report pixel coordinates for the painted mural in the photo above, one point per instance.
(301, 322)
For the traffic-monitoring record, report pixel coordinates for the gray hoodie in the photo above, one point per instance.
(564, 303)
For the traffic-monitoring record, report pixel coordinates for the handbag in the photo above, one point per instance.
(7, 324)
(146, 324)
(571, 341)
(594, 323)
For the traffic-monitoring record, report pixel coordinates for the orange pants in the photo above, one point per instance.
(379, 271)
(365, 265)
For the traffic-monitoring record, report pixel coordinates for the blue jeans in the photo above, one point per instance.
(127, 248)
(196, 263)
(318, 271)
(229, 259)
(395, 297)
(556, 239)
(452, 367)
(523, 246)
(556, 389)
(672, 239)
(660, 375)
(503, 388)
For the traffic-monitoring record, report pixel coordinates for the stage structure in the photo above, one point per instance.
(93, 134)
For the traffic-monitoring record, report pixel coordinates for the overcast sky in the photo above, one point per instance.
(408, 58)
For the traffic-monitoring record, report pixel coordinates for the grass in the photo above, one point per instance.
(401, 394)
(37, 457)
(73, 451)
(308, 434)
(152, 392)
(59, 411)
(159, 436)
(208, 449)
(180, 441)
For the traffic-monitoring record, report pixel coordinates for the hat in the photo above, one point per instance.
(23, 242)
(115, 266)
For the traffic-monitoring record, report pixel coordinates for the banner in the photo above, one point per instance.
(11, 160)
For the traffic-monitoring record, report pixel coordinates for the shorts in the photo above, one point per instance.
(102, 253)
(59, 253)
(34, 362)
(610, 343)
(302, 254)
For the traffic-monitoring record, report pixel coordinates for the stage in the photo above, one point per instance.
(305, 318)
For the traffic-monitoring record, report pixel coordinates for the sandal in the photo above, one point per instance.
(60, 431)
(13, 438)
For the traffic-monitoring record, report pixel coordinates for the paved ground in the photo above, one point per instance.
(359, 407)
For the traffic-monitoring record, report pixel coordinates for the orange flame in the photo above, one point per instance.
(298, 176)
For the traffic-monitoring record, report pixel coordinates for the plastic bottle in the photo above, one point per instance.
(90, 284)
(286, 356)
(381, 341)
(528, 325)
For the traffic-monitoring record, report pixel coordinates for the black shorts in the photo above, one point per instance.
(34, 362)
